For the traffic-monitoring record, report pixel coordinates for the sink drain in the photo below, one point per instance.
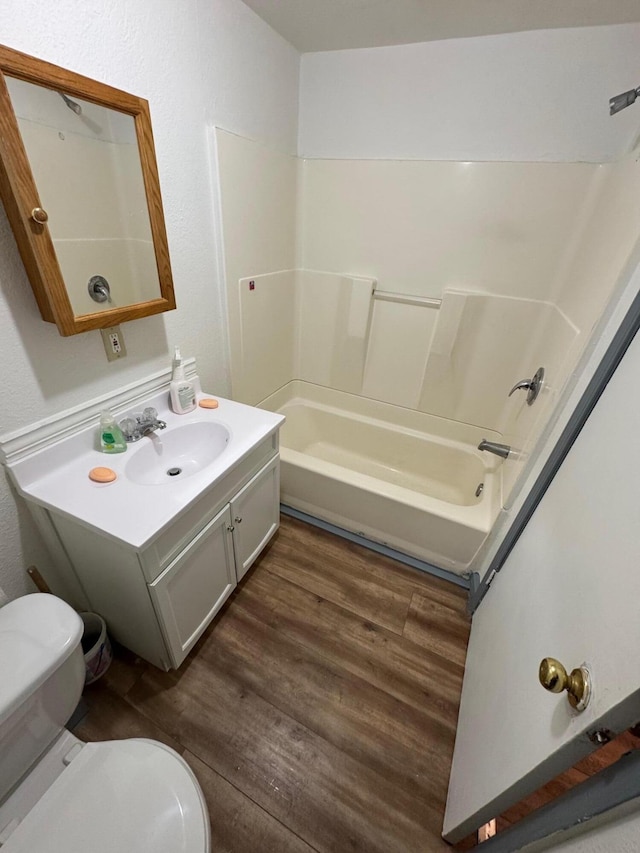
(173, 472)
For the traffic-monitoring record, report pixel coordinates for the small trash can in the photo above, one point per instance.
(96, 647)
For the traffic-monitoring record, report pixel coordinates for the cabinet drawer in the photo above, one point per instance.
(170, 543)
(191, 590)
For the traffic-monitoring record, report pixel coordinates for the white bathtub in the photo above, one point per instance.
(397, 476)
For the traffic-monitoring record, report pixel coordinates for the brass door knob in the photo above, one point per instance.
(554, 677)
(39, 215)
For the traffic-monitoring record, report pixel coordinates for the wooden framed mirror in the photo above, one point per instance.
(79, 181)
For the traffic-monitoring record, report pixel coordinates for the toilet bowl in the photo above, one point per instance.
(60, 795)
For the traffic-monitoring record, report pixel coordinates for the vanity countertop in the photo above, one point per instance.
(57, 476)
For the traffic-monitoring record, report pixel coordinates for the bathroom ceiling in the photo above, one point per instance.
(311, 25)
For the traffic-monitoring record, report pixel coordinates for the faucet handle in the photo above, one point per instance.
(138, 424)
(129, 428)
(532, 386)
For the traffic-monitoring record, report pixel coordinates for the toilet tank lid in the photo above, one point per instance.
(38, 633)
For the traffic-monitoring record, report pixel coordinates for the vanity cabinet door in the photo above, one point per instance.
(255, 511)
(192, 589)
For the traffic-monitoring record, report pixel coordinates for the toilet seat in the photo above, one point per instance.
(118, 797)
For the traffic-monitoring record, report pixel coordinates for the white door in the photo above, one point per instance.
(570, 589)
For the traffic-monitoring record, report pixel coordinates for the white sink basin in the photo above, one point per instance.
(169, 457)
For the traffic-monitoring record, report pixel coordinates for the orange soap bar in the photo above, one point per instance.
(208, 403)
(102, 475)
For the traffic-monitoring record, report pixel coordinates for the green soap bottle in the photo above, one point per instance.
(111, 437)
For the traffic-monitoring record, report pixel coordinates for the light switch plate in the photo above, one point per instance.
(113, 341)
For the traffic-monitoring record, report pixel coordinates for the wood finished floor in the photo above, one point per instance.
(319, 709)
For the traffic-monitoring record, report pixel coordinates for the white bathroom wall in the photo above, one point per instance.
(526, 96)
(198, 63)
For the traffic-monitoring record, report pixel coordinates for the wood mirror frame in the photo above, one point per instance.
(20, 195)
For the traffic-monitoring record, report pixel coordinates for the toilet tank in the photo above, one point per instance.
(41, 679)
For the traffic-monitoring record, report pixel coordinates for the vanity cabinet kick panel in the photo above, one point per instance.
(190, 591)
(157, 602)
(255, 513)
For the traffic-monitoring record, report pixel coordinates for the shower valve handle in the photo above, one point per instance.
(526, 383)
(532, 386)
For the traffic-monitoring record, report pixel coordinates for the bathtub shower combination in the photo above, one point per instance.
(412, 481)
(390, 306)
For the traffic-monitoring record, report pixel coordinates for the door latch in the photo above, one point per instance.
(554, 678)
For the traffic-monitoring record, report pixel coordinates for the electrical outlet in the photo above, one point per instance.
(113, 343)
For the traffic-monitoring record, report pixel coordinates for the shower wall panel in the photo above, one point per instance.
(257, 209)
(524, 256)
(609, 234)
(266, 351)
(394, 368)
(605, 240)
(476, 361)
(420, 227)
(333, 323)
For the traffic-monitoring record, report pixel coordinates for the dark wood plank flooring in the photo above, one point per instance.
(319, 709)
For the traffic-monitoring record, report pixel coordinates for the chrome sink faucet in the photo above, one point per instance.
(140, 424)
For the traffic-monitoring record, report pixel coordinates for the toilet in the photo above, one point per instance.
(60, 795)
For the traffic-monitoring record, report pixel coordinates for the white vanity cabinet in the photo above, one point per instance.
(195, 585)
(157, 600)
(158, 549)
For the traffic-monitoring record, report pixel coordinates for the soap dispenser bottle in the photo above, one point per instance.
(111, 437)
(182, 391)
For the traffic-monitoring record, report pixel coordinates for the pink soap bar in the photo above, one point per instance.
(102, 475)
(208, 403)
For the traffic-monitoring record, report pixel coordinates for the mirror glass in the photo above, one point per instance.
(86, 164)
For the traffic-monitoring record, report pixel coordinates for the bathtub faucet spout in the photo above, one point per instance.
(502, 450)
